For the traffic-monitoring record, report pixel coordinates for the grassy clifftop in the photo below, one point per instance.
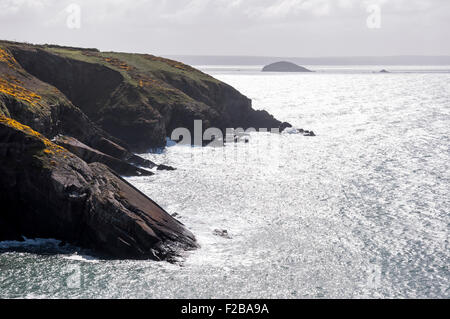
(136, 98)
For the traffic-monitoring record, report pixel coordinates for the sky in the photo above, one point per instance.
(292, 28)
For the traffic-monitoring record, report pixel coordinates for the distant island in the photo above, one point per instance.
(355, 60)
(284, 66)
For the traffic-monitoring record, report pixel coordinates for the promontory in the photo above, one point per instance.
(71, 120)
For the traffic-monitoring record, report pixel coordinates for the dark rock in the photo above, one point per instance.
(132, 100)
(284, 126)
(115, 150)
(261, 119)
(50, 112)
(384, 71)
(48, 192)
(163, 167)
(309, 133)
(284, 66)
(91, 155)
(222, 233)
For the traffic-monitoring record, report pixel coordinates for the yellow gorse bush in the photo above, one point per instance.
(118, 63)
(7, 58)
(19, 92)
(172, 63)
(50, 148)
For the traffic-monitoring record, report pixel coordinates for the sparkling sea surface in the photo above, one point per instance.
(360, 210)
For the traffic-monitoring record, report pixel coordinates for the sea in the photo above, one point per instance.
(361, 210)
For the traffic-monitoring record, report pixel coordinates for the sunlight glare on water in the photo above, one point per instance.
(360, 210)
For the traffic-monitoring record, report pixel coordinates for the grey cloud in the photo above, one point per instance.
(240, 27)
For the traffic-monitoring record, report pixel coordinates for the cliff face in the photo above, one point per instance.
(100, 107)
(47, 110)
(136, 98)
(48, 192)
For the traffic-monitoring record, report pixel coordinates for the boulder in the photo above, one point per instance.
(48, 192)
(222, 233)
(309, 133)
(163, 167)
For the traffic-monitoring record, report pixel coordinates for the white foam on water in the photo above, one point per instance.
(83, 258)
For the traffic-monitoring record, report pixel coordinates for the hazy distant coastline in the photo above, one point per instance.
(259, 60)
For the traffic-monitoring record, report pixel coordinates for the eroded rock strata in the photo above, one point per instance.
(136, 100)
(100, 107)
(48, 192)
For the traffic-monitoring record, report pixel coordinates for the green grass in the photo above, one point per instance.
(153, 77)
(140, 62)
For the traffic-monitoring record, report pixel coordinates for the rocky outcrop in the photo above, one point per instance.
(301, 131)
(134, 100)
(109, 147)
(90, 155)
(163, 167)
(47, 110)
(48, 192)
(284, 126)
(222, 233)
(284, 66)
(101, 107)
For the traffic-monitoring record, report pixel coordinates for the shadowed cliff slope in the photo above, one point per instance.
(100, 106)
(47, 110)
(136, 98)
(48, 192)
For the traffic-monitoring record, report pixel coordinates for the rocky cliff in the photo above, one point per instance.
(48, 192)
(136, 100)
(70, 120)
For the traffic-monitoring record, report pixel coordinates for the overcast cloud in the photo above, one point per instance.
(235, 27)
